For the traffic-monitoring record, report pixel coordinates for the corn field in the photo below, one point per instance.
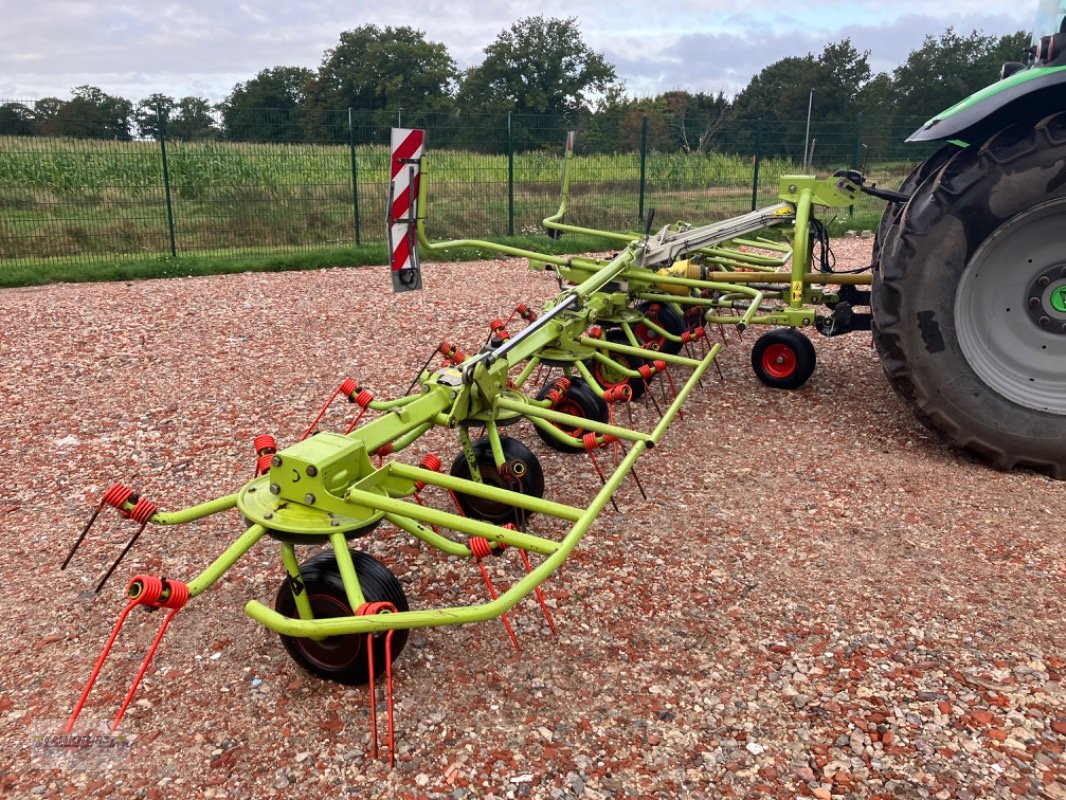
(86, 199)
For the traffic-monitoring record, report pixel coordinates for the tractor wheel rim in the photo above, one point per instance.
(779, 361)
(1017, 346)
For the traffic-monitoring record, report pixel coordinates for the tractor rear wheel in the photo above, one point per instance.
(969, 300)
(910, 185)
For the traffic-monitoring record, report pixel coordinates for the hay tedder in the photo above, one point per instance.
(636, 326)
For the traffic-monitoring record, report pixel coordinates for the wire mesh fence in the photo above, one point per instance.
(321, 180)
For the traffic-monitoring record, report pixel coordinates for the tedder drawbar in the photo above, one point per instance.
(616, 326)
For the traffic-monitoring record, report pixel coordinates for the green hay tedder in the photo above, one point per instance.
(968, 310)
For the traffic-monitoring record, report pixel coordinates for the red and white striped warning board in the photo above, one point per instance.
(407, 148)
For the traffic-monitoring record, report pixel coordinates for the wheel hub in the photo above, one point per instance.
(779, 361)
(1045, 302)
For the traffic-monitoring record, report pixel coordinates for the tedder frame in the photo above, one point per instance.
(616, 325)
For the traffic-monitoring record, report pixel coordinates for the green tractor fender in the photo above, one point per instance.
(1028, 94)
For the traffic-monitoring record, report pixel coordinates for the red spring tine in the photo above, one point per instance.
(143, 590)
(265, 443)
(176, 599)
(365, 610)
(321, 413)
(589, 440)
(373, 696)
(432, 462)
(480, 548)
(115, 496)
(99, 664)
(540, 594)
(388, 696)
(142, 512)
(265, 446)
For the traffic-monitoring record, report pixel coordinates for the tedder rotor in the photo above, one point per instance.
(619, 328)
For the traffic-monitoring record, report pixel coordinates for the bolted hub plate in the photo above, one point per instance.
(1045, 300)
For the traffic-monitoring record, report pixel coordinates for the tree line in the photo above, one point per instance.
(542, 72)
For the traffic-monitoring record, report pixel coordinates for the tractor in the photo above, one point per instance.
(969, 284)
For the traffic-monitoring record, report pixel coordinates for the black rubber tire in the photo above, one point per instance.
(341, 658)
(580, 401)
(919, 175)
(888, 228)
(531, 481)
(783, 358)
(971, 199)
(667, 318)
(603, 374)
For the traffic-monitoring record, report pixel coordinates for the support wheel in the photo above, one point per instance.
(608, 377)
(969, 302)
(667, 318)
(783, 358)
(579, 401)
(525, 476)
(341, 658)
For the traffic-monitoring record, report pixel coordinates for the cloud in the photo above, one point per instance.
(203, 47)
(726, 61)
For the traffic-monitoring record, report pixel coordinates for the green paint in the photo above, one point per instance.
(1058, 299)
(336, 487)
(1017, 79)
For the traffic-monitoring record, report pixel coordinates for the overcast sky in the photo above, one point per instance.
(204, 47)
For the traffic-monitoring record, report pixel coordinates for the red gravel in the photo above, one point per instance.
(821, 598)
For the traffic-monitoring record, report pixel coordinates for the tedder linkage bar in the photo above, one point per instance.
(618, 325)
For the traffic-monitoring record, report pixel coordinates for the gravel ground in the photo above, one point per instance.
(821, 598)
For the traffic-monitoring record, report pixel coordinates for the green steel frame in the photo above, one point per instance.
(326, 487)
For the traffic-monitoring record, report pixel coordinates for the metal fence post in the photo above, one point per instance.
(355, 182)
(643, 164)
(856, 156)
(510, 173)
(166, 180)
(755, 169)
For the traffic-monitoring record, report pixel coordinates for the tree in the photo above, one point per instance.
(539, 68)
(694, 119)
(381, 70)
(16, 120)
(147, 115)
(46, 109)
(945, 70)
(842, 73)
(91, 114)
(781, 95)
(780, 91)
(267, 108)
(192, 120)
